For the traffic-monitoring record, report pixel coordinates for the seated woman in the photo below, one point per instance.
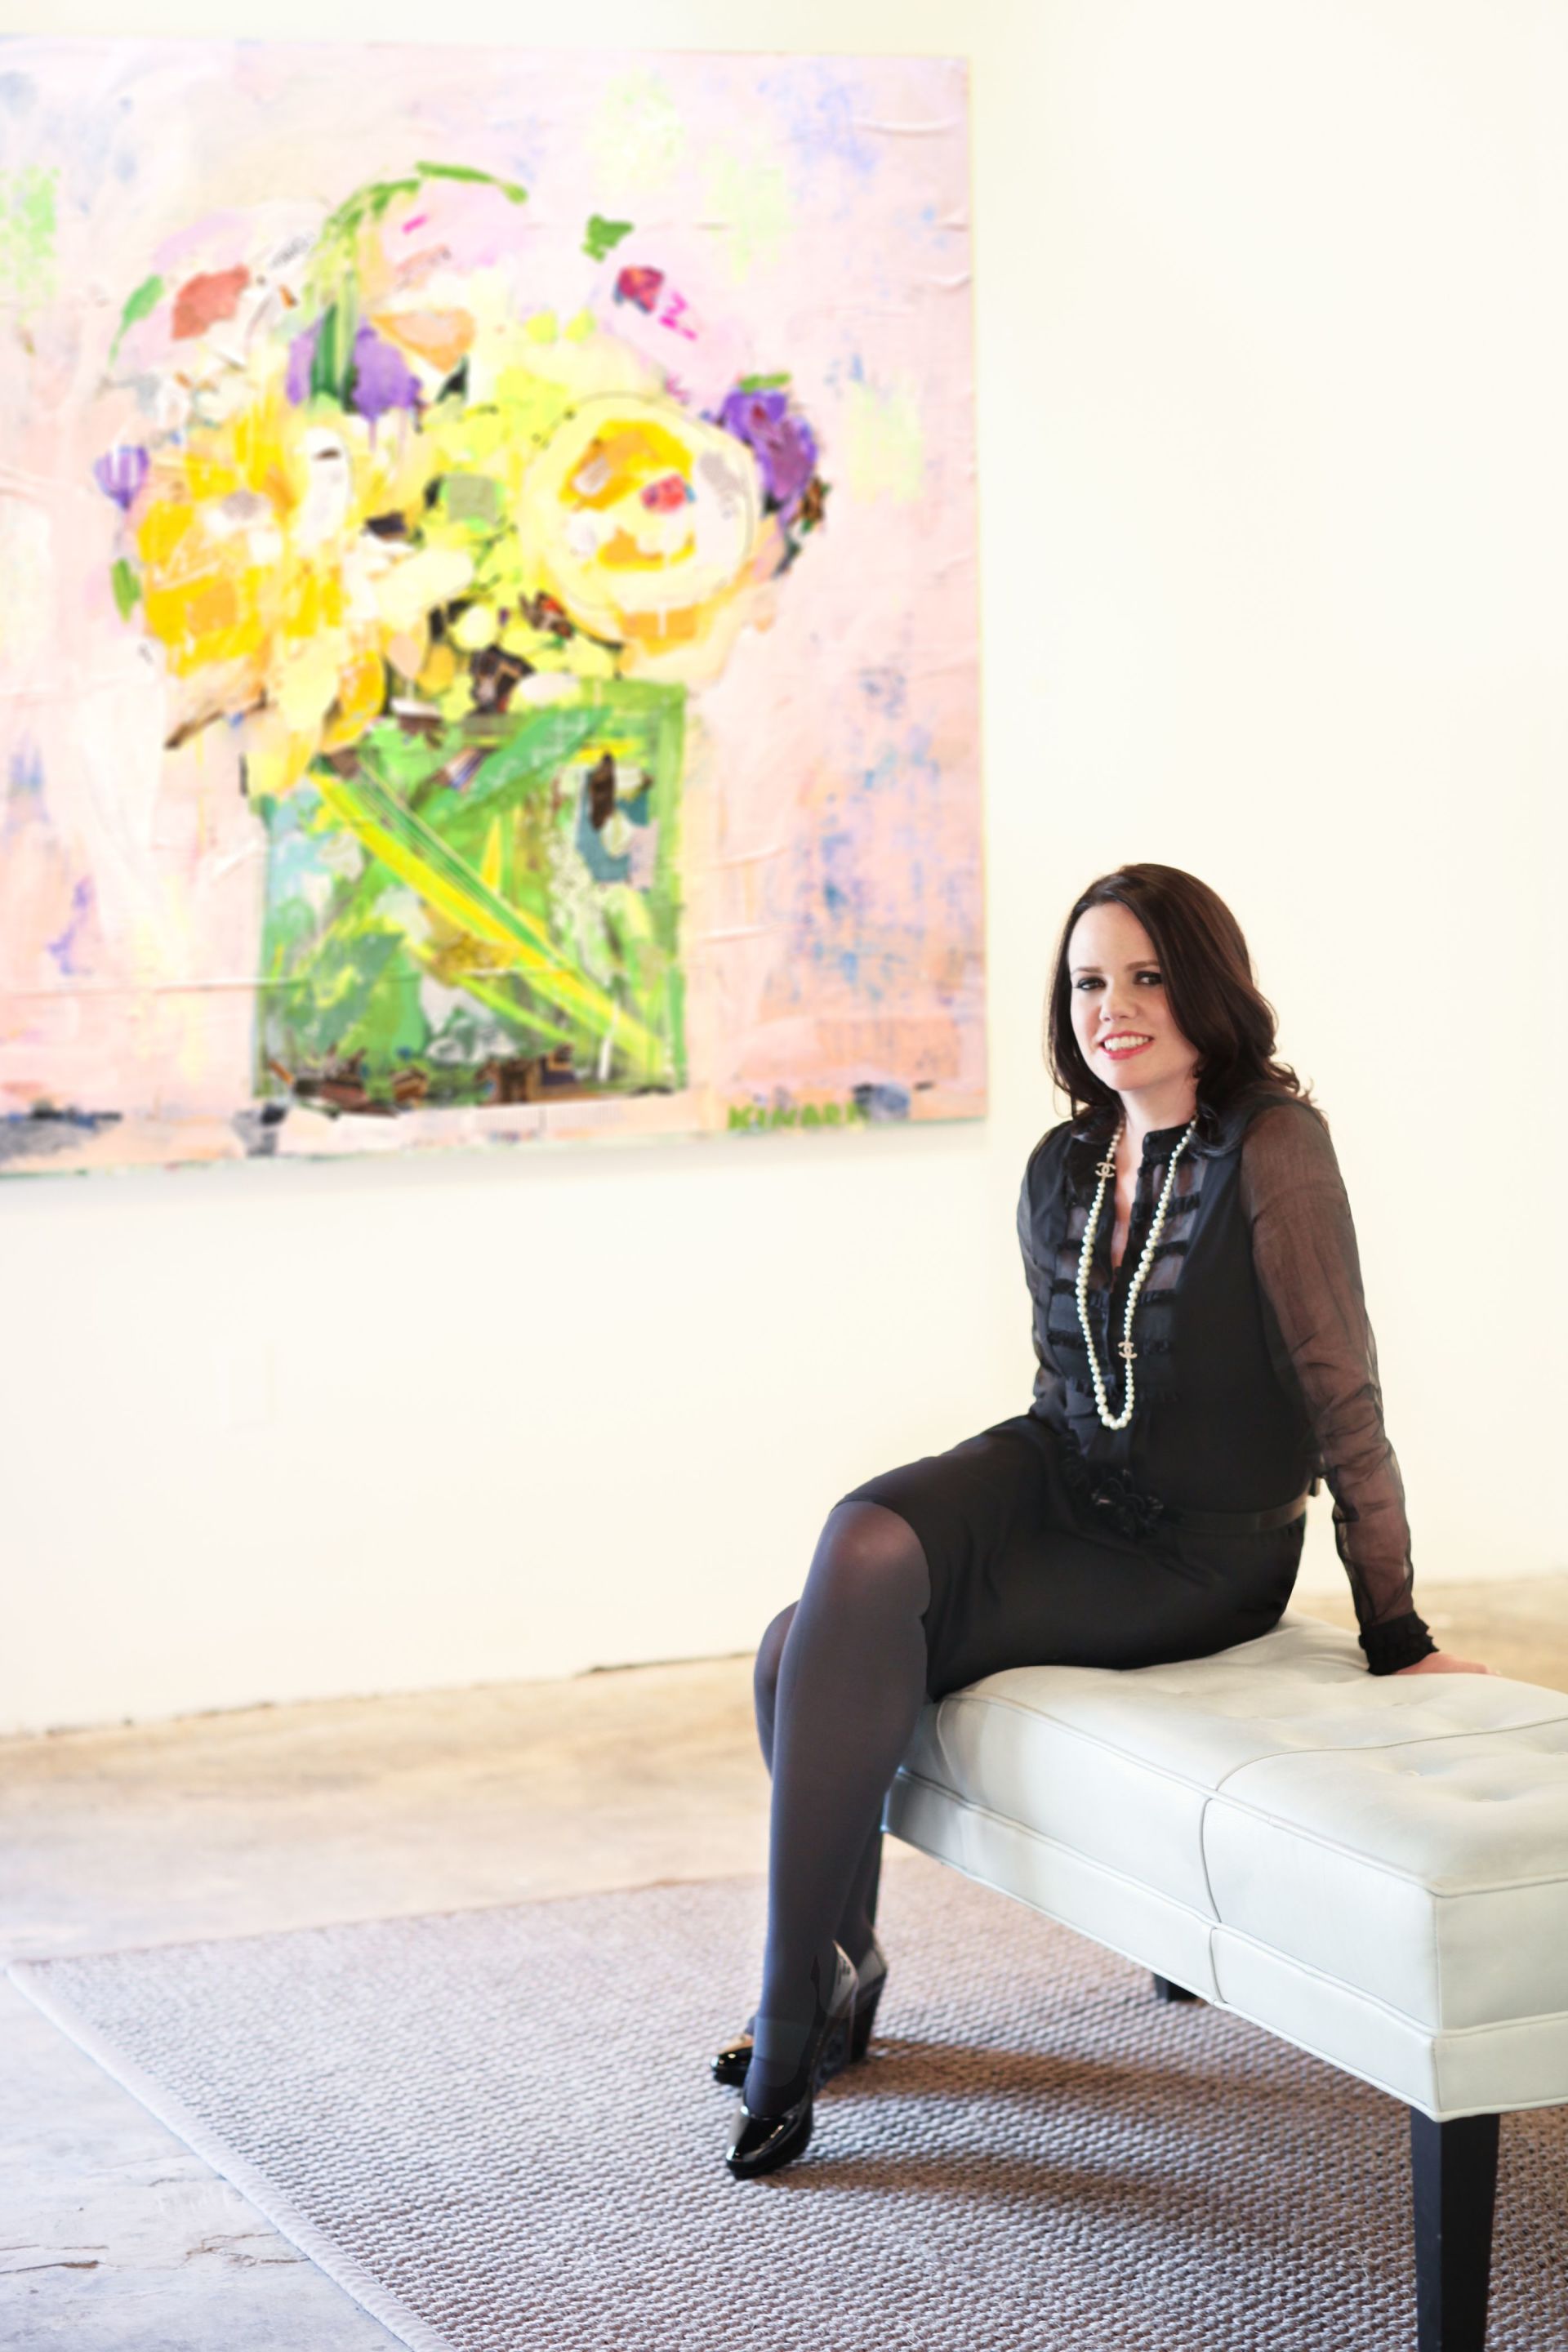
(1203, 1357)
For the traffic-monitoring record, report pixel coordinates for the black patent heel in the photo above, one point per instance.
(869, 1978)
(762, 2143)
(729, 2065)
(865, 2018)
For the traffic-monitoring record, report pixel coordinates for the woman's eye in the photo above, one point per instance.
(1086, 982)
(1149, 975)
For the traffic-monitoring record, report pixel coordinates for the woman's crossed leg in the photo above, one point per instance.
(840, 1680)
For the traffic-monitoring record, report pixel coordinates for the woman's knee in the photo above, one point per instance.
(869, 1557)
(769, 1654)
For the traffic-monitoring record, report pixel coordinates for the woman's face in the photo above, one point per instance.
(1120, 1017)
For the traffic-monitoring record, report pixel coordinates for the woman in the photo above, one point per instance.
(1203, 1354)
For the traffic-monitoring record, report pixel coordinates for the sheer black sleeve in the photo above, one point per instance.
(1309, 1271)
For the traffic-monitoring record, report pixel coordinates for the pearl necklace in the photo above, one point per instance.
(1126, 1349)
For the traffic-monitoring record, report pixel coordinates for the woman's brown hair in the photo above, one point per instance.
(1214, 998)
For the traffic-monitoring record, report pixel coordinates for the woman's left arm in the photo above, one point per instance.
(1309, 1271)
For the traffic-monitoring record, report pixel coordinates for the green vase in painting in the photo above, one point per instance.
(479, 910)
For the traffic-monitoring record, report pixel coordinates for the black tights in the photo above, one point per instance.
(840, 1679)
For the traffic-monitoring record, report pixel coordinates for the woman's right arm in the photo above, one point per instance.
(1308, 1272)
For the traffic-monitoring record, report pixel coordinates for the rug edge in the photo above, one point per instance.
(379, 1919)
(171, 2111)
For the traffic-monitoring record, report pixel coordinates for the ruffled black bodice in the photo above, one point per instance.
(1256, 1368)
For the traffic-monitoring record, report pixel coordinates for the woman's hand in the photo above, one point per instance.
(1442, 1662)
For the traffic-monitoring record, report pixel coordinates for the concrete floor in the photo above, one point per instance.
(113, 2237)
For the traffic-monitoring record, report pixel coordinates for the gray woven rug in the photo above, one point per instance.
(1037, 2154)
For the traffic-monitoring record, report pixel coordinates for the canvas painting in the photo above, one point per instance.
(488, 634)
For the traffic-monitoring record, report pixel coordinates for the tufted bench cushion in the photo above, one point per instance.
(1374, 1868)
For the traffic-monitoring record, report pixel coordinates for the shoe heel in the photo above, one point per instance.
(865, 2017)
(834, 2052)
(838, 2031)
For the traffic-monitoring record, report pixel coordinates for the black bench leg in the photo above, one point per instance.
(1453, 2177)
(1166, 1990)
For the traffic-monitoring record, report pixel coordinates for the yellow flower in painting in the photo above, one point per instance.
(647, 523)
(266, 590)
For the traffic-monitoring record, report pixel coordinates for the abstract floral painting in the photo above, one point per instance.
(488, 643)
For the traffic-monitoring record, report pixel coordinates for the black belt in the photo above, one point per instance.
(1234, 1523)
(1112, 1495)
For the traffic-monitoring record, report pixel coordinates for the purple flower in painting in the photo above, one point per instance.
(121, 474)
(783, 445)
(379, 379)
(382, 378)
(301, 359)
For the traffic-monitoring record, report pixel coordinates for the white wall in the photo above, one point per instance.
(1274, 478)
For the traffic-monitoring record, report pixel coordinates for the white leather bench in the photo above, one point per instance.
(1374, 1868)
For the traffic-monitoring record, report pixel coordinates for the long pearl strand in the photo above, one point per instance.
(1126, 1350)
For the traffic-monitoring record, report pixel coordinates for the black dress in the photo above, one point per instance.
(1053, 1540)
